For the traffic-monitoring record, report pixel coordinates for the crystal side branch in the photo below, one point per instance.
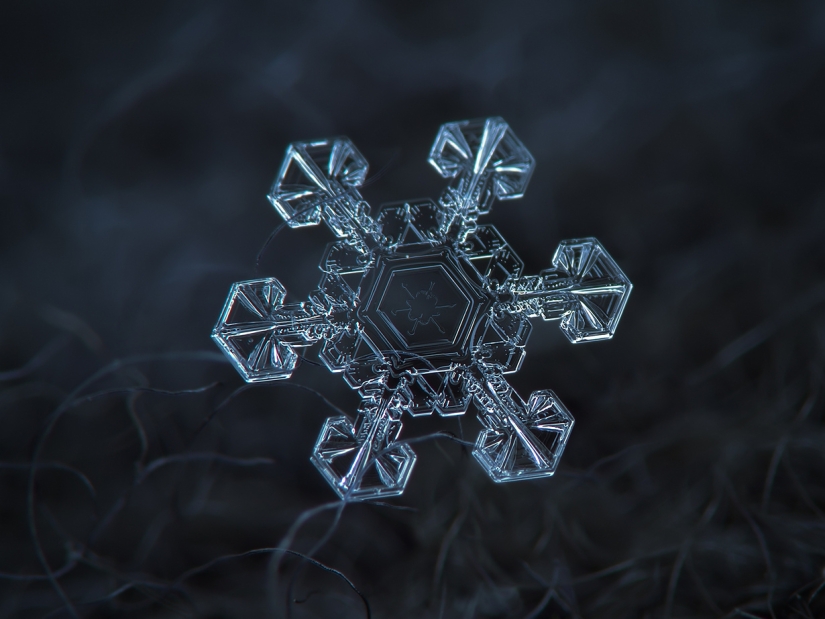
(421, 309)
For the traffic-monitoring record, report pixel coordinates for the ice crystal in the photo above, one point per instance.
(421, 309)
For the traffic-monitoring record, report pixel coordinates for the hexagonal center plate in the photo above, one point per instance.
(424, 306)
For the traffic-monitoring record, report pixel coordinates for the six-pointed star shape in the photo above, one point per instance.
(421, 309)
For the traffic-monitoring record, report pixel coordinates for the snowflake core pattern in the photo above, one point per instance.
(421, 309)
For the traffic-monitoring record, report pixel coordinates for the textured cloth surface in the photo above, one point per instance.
(137, 143)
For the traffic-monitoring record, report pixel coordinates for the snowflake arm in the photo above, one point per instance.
(486, 161)
(319, 181)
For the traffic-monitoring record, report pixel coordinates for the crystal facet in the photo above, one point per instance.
(421, 309)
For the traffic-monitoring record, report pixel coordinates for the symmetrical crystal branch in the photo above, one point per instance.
(486, 161)
(421, 309)
(520, 440)
(319, 181)
(585, 289)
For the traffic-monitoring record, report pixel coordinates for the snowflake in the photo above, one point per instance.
(421, 309)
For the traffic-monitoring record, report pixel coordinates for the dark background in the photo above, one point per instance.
(137, 143)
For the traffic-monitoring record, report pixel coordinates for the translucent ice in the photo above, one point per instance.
(422, 309)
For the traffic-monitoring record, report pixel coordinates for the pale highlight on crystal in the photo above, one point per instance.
(421, 309)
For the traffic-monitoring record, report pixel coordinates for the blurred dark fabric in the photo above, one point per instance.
(137, 143)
